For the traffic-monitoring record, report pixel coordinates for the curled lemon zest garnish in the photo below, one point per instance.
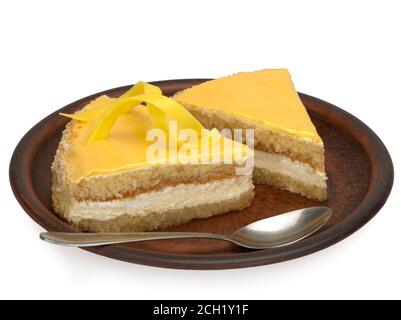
(161, 110)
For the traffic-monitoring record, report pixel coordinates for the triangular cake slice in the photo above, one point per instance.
(289, 152)
(110, 185)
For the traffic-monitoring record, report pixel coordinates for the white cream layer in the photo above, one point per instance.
(294, 169)
(177, 197)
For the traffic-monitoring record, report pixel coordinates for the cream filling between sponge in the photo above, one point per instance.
(170, 198)
(294, 169)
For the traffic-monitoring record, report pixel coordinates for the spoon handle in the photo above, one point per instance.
(101, 239)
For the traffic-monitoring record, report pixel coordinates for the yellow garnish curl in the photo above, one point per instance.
(161, 110)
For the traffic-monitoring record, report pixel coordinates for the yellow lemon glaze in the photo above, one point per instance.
(109, 134)
(267, 95)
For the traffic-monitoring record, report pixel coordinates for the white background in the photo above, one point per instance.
(55, 52)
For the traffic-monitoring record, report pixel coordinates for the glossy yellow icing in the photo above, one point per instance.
(267, 95)
(124, 146)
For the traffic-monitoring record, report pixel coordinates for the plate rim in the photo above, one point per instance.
(380, 185)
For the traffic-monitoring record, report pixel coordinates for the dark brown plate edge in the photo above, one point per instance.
(381, 181)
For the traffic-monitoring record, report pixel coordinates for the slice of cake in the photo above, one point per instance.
(289, 153)
(103, 180)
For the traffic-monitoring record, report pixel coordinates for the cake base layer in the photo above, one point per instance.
(168, 218)
(281, 172)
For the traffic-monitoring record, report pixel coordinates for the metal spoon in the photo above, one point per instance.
(267, 233)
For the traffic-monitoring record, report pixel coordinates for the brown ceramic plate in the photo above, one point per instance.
(360, 175)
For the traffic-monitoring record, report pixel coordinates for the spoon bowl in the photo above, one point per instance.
(282, 229)
(277, 231)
